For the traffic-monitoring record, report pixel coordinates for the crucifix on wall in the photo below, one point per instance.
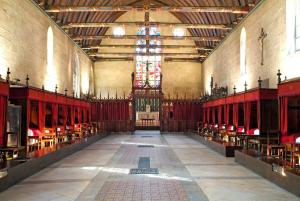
(261, 38)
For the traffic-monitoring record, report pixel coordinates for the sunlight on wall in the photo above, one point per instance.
(243, 47)
(51, 78)
(243, 62)
(76, 76)
(85, 82)
(91, 83)
(3, 69)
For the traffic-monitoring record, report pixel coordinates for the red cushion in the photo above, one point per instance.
(253, 131)
(241, 129)
(32, 132)
(230, 128)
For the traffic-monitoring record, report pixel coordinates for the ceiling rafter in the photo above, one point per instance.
(150, 46)
(203, 19)
(145, 37)
(150, 24)
(111, 54)
(186, 9)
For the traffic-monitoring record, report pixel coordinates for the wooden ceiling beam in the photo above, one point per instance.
(150, 46)
(166, 59)
(171, 59)
(134, 37)
(143, 24)
(182, 9)
(113, 59)
(124, 54)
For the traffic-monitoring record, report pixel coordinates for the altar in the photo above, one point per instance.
(147, 118)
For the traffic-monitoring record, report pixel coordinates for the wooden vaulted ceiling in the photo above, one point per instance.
(230, 19)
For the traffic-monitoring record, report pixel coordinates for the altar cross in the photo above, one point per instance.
(261, 38)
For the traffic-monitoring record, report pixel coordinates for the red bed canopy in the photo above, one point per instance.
(286, 91)
(4, 92)
(244, 98)
(42, 97)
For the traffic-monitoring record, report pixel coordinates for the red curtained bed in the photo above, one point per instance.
(288, 91)
(4, 91)
(26, 96)
(246, 99)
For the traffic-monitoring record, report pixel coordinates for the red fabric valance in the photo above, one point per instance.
(291, 88)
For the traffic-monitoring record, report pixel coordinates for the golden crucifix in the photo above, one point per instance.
(261, 38)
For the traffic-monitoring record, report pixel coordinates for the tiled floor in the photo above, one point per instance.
(187, 171)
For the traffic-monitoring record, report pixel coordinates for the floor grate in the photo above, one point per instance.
(144, 167)
(146, 136)
(145, 146)
(144, 171)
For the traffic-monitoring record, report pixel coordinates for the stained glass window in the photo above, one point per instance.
(297, 25)
(154, 62)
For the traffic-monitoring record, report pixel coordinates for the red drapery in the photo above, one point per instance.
(220, 114)
(41, 115)
(54, 114)
(204, 115)
(208, 115)
(284, 115)
(258, 115)
(248, 115)
(28, 107)
(235, 114)
(227, 109)
(79, 114)
(110, 110)
(72, 115)
(64, 113)
(213, 115)
(3, 110)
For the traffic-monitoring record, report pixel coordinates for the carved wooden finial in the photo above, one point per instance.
(116, 94)
(245, 85)
(66, 92)
(27, 80)
(108, 95)
(259, 82)
(8, 75)
(234, 89)
(279, 77)
(132, 79)
(56, 87)
(43, 87)
(211, 83)
(73, 94)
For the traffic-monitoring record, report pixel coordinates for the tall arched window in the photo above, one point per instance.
(76, 76)
(51, 72)
(154, 62)
(293, 25)
(243, 38)
(91, 80)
